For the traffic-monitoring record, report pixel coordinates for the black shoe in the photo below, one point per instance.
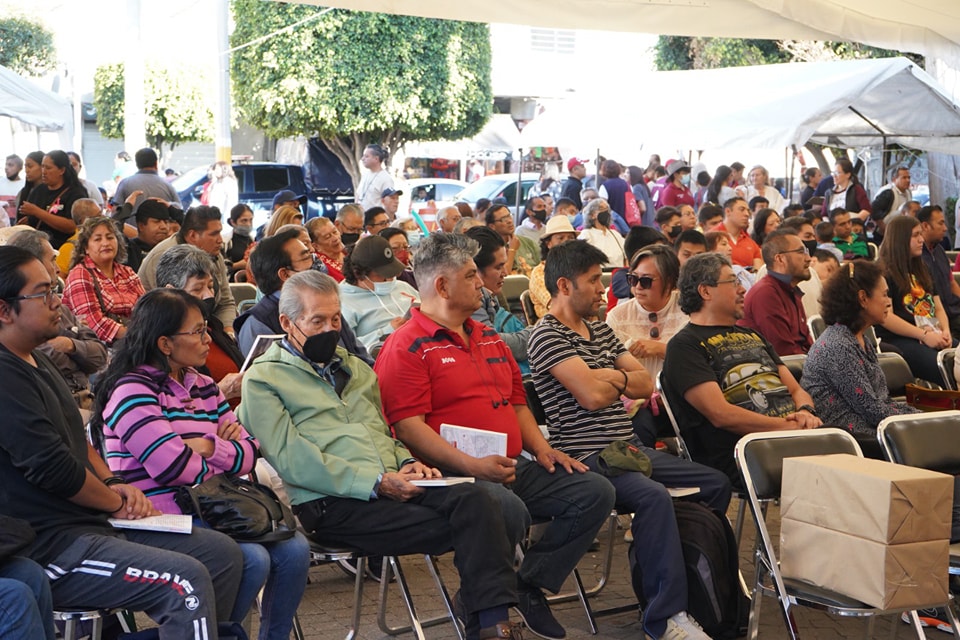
(536, 614)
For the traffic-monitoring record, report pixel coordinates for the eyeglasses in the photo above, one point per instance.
(375, 225)
(802, 250)
(47, 297)
(352, 229)
(644, 282)
(402, 247)
(503, 218)
(720, 282)
(196, 332)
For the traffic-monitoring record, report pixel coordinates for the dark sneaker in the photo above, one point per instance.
(934, 618)
(536, 614)
(505, 630)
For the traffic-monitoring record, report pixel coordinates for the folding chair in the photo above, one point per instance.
(794, 363)
(760, 460)
(529, 311)
(897, 373)
(816, 325)
(72, 618)
(928, 441)
(945, 360)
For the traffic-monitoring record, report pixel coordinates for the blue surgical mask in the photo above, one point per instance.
(413, 238)
(685, 179)
(384, 288)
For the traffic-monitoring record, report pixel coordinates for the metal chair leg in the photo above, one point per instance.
(416, 625)
(357, 597)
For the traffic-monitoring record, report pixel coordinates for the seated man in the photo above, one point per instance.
(53, 479)
(774, 305)
(445, 367)
(273, 261)
(850, 244)
(581, 370)
(316, 410)
(722, 380)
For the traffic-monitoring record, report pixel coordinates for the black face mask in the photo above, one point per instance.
(675, 231)
(603, 218)
(349, 238)
(208, 305)
(540, 215)
(320, 348)
(811, 246)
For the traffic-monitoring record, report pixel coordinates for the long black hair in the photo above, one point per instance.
(158, 313)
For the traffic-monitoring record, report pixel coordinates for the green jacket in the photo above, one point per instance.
(321, 444)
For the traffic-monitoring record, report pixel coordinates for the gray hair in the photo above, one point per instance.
(291, 302)
(441, 254)
(30, 240)
(703, 268)
(467, 223)
(347, 209)
(442, 214)
(182, 262)
(590, 211)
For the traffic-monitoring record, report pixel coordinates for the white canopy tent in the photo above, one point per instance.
(856, 103)
(928, 27)
(30, 112)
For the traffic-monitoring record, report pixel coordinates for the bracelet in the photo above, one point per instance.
(112, 480)
(123, 502)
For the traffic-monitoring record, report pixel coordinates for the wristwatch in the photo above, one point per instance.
(809, 409)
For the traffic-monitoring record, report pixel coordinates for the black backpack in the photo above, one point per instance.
(714, 596)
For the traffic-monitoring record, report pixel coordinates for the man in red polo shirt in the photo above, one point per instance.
(736, 219)
(444, 367)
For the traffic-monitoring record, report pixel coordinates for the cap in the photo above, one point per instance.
(572, 162)
(391, 192)
(152, 209)
(558, 224)
(286, 196)
(374, 253)
(677, 165)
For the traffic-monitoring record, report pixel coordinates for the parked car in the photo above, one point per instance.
(419, 191)
(258, 183)
(501, 186)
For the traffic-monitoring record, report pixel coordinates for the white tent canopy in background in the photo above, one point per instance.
(767, 106)
(500, 134)
(27, 112)
(928, 27)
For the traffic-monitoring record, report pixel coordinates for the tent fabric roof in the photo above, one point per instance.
(928, 27)
(499, 134)
(22, 100)
(844, 103)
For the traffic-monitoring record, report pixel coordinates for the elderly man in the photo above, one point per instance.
(390, 201)
(442, 366)
(774, 305)
(54, 479)
(447, 219)
(77, 352)
(736, 218)
(349, 223)
(187, 267)
(316, 410)
(724, 380)
(201, 228)
(581, 370)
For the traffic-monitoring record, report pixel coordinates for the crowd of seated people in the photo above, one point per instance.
(400, 331)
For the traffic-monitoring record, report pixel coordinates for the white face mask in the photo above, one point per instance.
(413, 238)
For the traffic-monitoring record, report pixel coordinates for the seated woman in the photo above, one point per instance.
(646, 322)
(918, 326)
(100, 289)
(597, 231)
(327, 245)
(165, 425)
(400, 244)
(557, 231)
(373, 302)
(637, 238)
(841, 372)
(765, 222)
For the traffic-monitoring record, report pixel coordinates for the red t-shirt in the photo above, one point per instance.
(424, 369)
(745, 250)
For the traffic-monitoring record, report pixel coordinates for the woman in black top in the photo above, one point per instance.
(31, 173)
(49, 204)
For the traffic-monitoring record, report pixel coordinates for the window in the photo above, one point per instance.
(448, 191)
(562, 41)
(270, 179)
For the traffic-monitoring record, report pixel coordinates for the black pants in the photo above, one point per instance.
(462, 517)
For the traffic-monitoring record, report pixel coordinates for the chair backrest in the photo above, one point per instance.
(682, 450)
(760, 455)
(795, 363)
(897, 372)
(817, 325)
(529, 311)
(945, 360)
(243, 291)
(925, 440)
(533, 401)
(605, 279)
(872, 251)
(244, 305)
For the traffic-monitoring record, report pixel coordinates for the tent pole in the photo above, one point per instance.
(519, 184)
(793, 165)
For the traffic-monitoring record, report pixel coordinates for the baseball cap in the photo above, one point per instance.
(374, 253)
(286, 196)
(391, 192)
(572, 162)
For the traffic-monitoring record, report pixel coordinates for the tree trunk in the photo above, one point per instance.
(349, 149)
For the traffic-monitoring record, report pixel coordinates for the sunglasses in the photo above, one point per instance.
(644, 282)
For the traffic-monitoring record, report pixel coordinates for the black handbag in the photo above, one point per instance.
(15, 535)
(244, 510)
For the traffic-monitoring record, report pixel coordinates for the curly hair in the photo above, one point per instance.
(86, 232)
(840, 298)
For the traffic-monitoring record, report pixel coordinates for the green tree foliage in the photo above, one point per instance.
(352, 78)
(26, 47)
(178, 108)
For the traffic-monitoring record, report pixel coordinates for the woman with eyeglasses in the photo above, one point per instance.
(647, 321)
(100, 289)
(165, 425)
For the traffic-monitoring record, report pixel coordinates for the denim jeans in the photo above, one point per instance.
(26, 606)
(281, 569)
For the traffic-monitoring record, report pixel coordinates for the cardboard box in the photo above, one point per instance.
(912, 574)
(870, 499)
